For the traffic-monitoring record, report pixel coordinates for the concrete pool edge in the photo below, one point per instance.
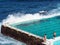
(20, 35)
(53, 40)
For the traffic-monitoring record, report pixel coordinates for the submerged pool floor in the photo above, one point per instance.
(41, 27)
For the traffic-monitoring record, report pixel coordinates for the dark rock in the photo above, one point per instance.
(26, 38)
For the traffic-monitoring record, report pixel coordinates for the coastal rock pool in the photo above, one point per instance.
(57, 42)
(41, 27)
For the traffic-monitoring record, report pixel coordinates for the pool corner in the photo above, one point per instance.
(21, 36)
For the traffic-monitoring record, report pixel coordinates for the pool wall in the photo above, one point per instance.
(21, 36)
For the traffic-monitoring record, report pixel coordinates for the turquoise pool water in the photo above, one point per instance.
(41, 27)
(57, 42)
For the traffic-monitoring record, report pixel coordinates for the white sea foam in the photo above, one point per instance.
(5, 40)
(18, 17)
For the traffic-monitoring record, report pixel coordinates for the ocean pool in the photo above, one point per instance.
(41, 27)
(56, 42)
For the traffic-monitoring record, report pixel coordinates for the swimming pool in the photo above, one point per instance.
(41, 27)
(56, 42)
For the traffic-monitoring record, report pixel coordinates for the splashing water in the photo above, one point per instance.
(5, 40)
(20, 17)
(14, 18)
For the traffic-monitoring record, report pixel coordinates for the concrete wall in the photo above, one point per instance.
(29, 40)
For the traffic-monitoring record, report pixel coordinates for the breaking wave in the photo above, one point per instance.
(18, 17)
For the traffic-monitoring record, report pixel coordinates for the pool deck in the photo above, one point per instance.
(26, 37)
(53, 40)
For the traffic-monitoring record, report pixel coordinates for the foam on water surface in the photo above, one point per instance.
(13, 19)
(16, 18)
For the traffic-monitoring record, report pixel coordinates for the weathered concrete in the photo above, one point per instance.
(28, 39)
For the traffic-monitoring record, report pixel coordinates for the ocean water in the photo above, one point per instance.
(11, 10)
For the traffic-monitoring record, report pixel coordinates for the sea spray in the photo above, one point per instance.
(5, 40)
(18, 17)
